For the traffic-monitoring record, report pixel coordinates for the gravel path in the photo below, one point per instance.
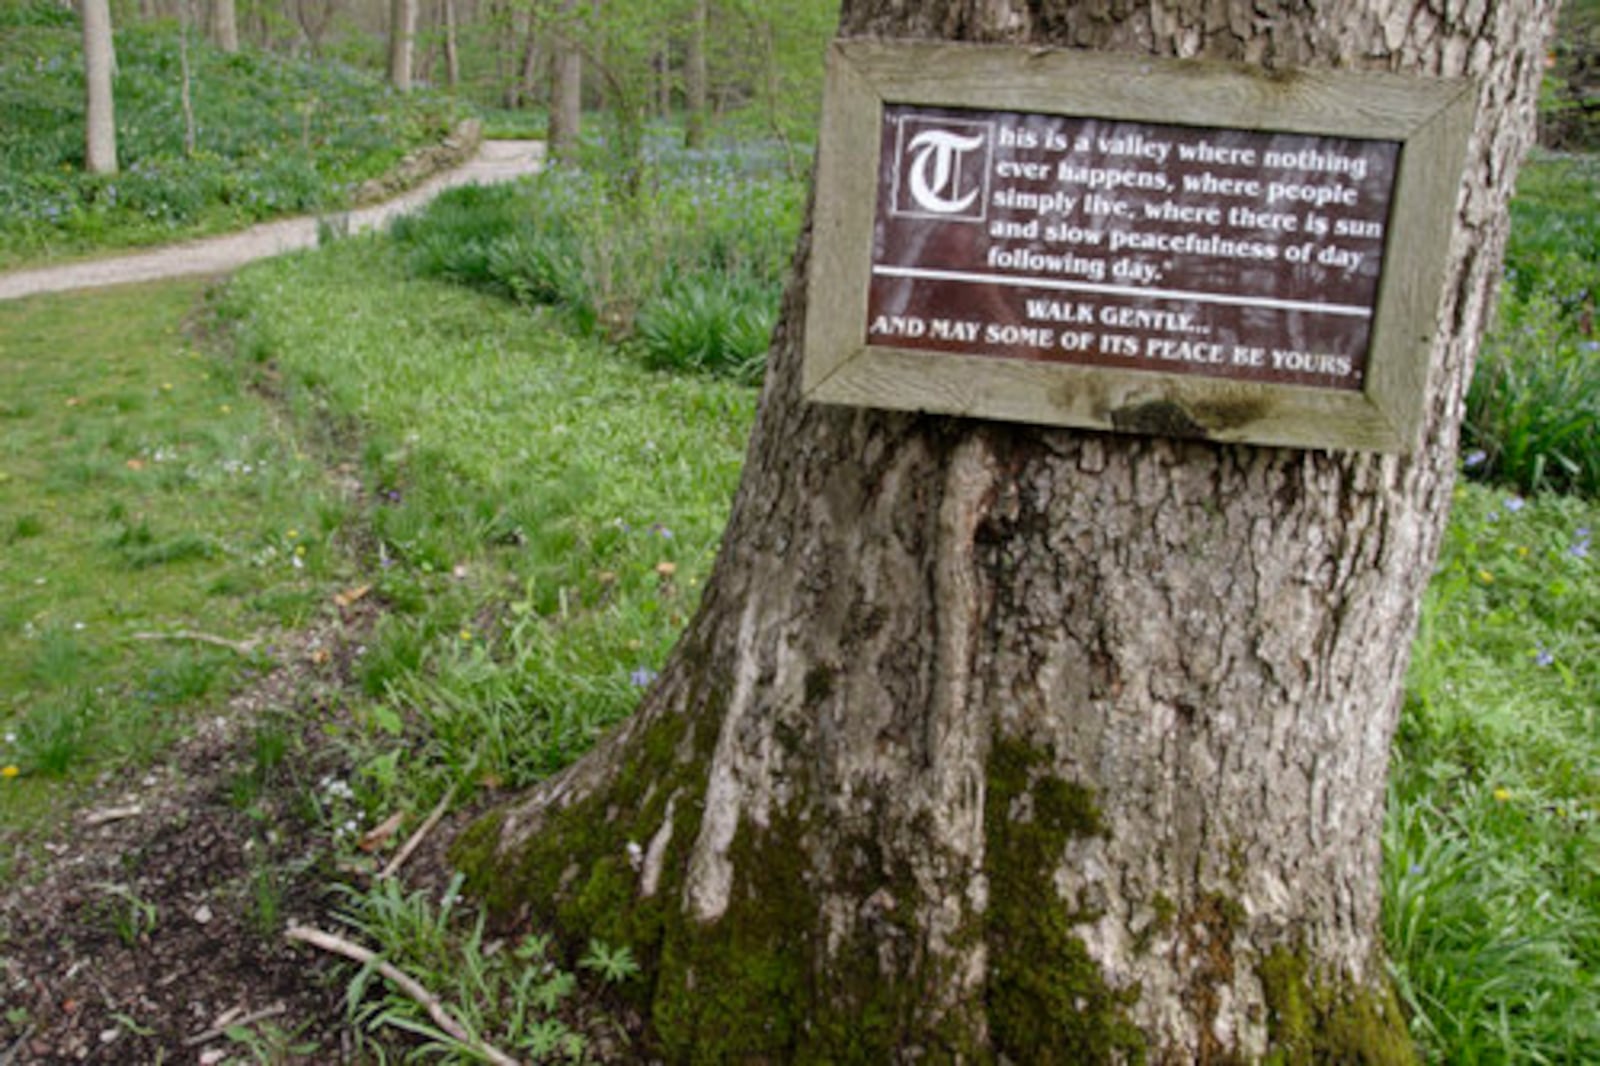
(494, 161)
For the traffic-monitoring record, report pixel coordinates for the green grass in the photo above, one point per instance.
(142, 491)
(1533, 412)
(537, 513)
(1492, 874)
(273, 136)
(543, 509)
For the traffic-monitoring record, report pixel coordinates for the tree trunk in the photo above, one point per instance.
(225, 25)
(402, 42)
(566, 93)
(99, 63)
(452, 56)
(695, 77)
(1006, 743)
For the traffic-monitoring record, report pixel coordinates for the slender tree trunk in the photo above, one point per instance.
(566, 93)
(452, 55)
(185, 94)
(1000, 743)
(225, 26)
(99, 64)
(695, 78)
(402, 42)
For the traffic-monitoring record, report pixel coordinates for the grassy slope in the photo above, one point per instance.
(273, 136)
(541, 511)
(140, 491)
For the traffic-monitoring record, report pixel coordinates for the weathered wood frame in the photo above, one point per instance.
(1431, 118)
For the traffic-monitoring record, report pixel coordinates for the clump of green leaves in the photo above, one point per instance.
(690, 262)
(1533, 412)
(516, 997)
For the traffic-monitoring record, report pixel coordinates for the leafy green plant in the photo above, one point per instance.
(517, 1000)
(1533, 410)
(703, 326)
(1531, 416)
(703, 238)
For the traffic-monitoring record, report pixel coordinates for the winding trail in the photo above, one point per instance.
(494, 161)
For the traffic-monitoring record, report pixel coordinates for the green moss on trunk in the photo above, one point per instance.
(1048, 1003)
(1312, 1020)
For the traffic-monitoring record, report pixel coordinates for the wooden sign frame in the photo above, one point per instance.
(1429, 118)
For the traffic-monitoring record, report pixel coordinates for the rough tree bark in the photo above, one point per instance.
(99, 63)
(1003, 743)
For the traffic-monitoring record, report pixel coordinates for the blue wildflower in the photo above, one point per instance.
(643, 677)
(1544, 656)
(1475, 458)
(1515, 504)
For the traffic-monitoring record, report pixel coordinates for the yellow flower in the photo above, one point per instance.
(1522, 551)
(293, 533)
(1486, 577)
(9, 771)
(299, 549)
(466, 634)
(1502, 794)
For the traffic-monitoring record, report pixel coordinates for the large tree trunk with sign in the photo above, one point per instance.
(993, 742)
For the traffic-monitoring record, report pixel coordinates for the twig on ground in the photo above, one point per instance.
(416, 838)
(111, 814)
(240, 647)
(225, 1023)
(9, 1054)
(403, 981)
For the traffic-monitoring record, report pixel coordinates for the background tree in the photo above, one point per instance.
(402, 42)
(566, 88)
(99, 65)
(695, 76)
(1059, 746)
(225, 25)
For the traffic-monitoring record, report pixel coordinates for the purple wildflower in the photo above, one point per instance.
(1475, 458)
(642, 677)
(1515, 503)
(1544, 656)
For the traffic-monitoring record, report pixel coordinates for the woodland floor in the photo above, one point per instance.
(144, 927)
(136, 934)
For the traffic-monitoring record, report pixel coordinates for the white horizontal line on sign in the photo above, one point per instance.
(923, 274)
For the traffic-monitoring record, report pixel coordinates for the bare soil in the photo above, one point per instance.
(154, 920)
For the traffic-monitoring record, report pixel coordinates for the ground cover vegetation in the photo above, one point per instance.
(530, 506)
(271, 136)
(494, 532)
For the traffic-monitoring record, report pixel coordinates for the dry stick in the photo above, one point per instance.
(416, 838)
(248, 1019)
(241, 647)
(441, 1017)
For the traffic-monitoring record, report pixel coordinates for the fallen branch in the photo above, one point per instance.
(416, 838)
(403, 981)
(239, 647)
(224, 1023)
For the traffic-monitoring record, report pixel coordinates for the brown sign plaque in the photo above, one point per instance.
(1067, 237)
(1228, 253)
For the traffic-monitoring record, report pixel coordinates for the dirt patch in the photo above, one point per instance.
(154, 921)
